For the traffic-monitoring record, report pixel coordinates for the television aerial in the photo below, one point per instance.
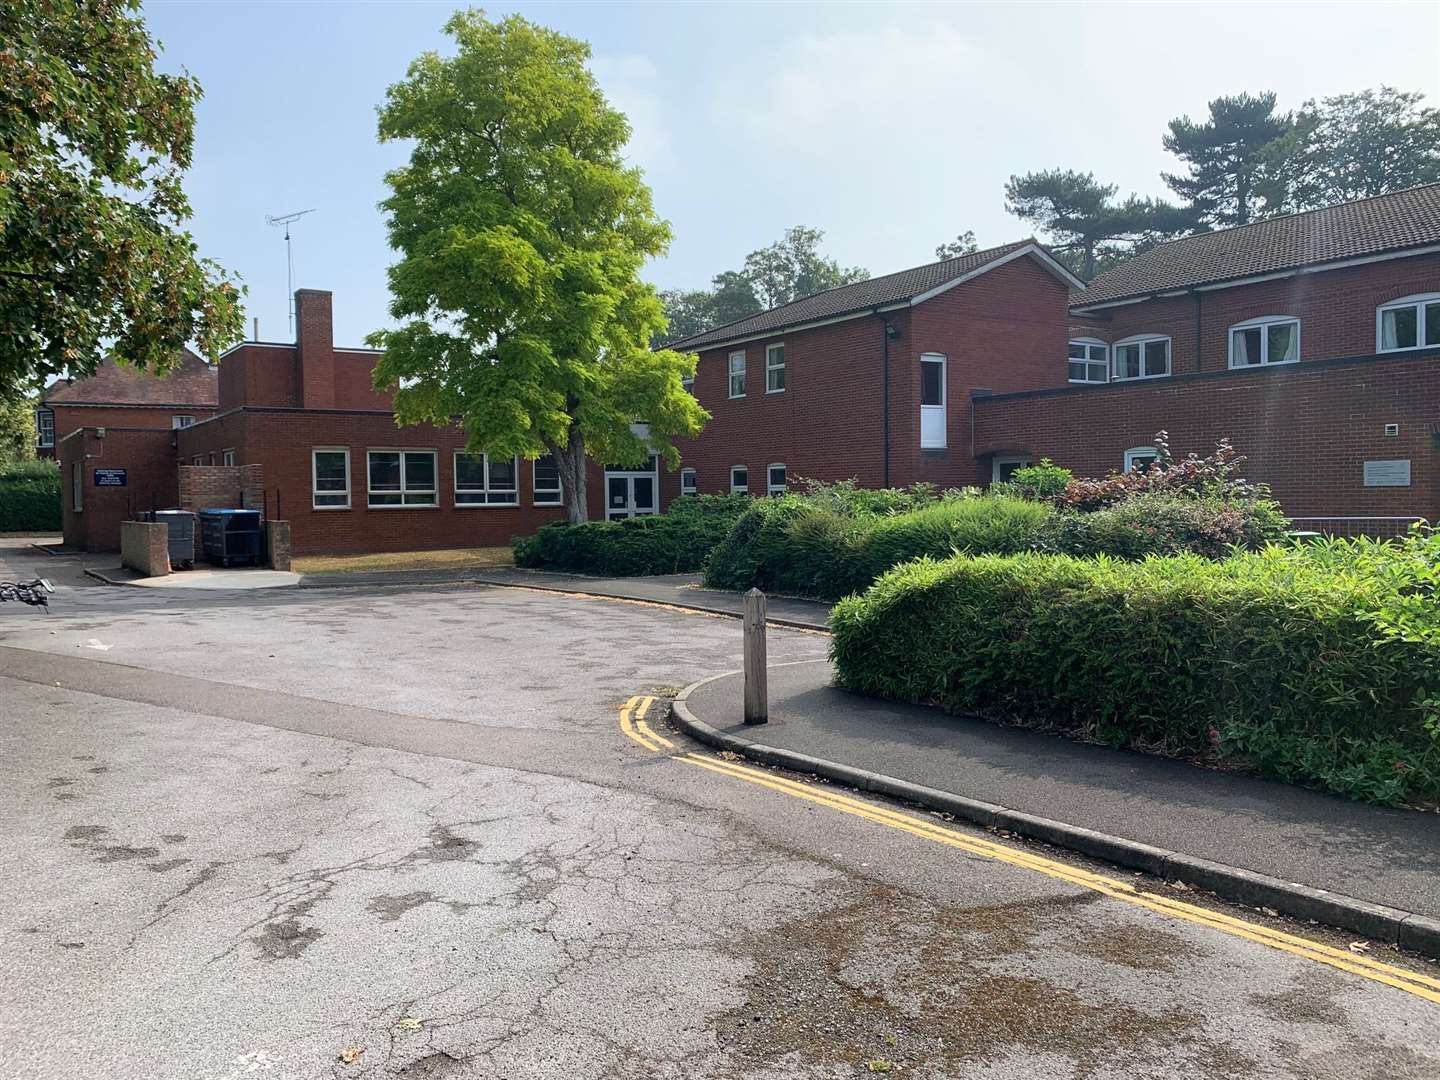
(285, 220)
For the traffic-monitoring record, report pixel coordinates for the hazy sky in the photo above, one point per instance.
(890, 126)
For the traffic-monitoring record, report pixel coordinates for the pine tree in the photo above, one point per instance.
(1226, 155)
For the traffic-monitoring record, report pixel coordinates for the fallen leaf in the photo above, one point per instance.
(351, 1054)
(1359, 946)
(408, 1023)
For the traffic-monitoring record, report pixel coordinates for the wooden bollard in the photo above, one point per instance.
(757, 706)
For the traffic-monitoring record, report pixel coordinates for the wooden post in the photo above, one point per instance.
(757, 706)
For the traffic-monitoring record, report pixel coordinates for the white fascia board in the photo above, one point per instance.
(794, 328)
(1034, 251)
(256, 345)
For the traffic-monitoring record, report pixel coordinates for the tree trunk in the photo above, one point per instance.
(571, 461)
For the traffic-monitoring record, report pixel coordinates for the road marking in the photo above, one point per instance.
(632, 723)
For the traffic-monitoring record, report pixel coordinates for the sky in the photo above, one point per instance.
(892, 127)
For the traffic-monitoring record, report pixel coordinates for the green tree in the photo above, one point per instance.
(1226, 157)
(793, 267)
(1352, 146)
(93, 147)
(964, 244)
(1084, 226)
(521, 235)
(17, 429)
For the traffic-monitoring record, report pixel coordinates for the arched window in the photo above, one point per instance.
(1089, 360)
(1271, 339)
(1412, 322)
(1144, 356)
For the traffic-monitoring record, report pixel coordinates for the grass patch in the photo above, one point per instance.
(396, 561)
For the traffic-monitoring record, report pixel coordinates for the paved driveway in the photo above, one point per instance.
(247, 835)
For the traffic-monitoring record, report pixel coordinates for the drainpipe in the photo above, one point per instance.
(1196, 293)
(886, 334)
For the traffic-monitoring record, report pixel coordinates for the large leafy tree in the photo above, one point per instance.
(1086, 228)
(1226, 156)
(17, 429)
(1352, 146)
(521, 235)
(93, 147)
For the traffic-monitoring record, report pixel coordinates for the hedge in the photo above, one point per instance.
(30, 497)
(1322, 670)
(1157, 523)
(800, 546)
(674, 542)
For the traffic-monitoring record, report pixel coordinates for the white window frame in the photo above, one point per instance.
(732, 374)
(489, 489)
(403, 491)
(1139, 452)
(546, 496)
(198, 459)
(1018, 460)
(771, 367)
(943, 408)
(772, 488)
(314, 478)
(1088, 343)
(1142, 340)
(693, 487)
(41, 442)
(181, 420)
(739, 489)
(688, 383)
(227, 457)
(1415, 300)
(1263, 324)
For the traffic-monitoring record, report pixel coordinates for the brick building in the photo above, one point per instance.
(1311, 341)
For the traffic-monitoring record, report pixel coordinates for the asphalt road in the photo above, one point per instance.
(247, 834)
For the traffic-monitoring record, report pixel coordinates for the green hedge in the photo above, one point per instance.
(803, 547)
(1322, 670)
(674, 542)
(1158, 523)
(30, 497)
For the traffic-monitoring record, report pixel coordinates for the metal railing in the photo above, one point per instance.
(1378, 527)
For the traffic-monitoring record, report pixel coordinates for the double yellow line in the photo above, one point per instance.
(635, 726)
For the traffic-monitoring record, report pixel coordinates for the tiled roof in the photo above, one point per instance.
(193, 383)
(1376, 226)
(848, 299)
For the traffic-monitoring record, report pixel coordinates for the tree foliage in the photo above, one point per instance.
(963, 244)
(17, 429)
(93, 147)
(1226, 156)
(1086, 228)
(521, 235)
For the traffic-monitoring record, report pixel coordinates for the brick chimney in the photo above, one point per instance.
(315, 348)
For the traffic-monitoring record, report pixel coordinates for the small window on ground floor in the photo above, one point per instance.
(481, 480)
(547, 482)
(689, 482)
(1002, 470)
(1139, 458)
(775, 479)
(330, 478)
(739, 480)
(401, 478)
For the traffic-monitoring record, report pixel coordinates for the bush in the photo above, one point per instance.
(805, 547)
(1157, 523)
(1316, 667)
(30, 497)
(1046, 481)
(674, 542)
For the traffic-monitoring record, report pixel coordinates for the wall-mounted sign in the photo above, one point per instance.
(109, 477)
(1392, 473)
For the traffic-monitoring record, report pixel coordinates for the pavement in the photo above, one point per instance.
(389, 832)
(199, 577)
(1376, 854)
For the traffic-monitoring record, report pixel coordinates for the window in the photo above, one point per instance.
(330, 478)
(739, 480)
(547, 481)
(1140, 458)
(689, 482)
(198, 459)
(737, 374)
(688, 382)
(178, 422)
(484, 481)
(44, 427)
(1412, 322)
(1002, 469)
(401, 478)
(1142, 358)
(1089, 361)
(775, 479)
(77, 486)
(1274, 339)
(775, 369)
(227, 457)
(212, 458)
(932, 401)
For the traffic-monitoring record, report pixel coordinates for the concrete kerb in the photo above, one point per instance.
(1387, 925)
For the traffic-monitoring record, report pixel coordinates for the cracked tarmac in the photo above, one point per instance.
(405, 822)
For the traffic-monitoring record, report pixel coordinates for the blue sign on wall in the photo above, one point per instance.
(109, 477)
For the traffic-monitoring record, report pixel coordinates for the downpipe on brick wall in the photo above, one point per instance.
(886, 334)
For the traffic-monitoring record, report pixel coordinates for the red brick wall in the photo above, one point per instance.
(148, 458)
(221, 487)
(68, 418)
(259, 374)
(354, 369)
(1306, 428)
(1336, 309)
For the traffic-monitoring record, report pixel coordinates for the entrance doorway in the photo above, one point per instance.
(631, 492)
